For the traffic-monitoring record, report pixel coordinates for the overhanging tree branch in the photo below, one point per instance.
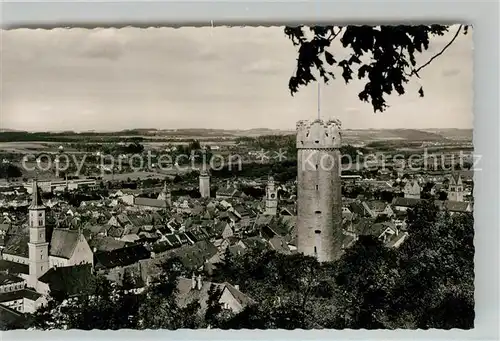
(389, 64)
(334, 35)
(416, 71)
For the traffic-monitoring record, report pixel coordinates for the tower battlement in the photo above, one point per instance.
(319, 134)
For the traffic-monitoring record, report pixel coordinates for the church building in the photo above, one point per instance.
(456, 188)
(28, 256)
(412, 189)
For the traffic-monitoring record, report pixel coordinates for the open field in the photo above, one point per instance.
(388, 139)
(140, 175)
(27, 147)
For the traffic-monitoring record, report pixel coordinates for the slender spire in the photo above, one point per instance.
(204, 170)
(36, 198)
(319, 100)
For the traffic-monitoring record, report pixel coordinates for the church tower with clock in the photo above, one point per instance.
(271, 197)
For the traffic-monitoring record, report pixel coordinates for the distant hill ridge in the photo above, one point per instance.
(376, 134)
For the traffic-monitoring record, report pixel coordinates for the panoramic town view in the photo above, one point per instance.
(223, 178)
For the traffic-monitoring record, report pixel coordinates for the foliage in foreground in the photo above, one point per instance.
(427, 283)
(382, 56)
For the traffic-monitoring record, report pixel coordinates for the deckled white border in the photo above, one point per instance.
(482, 14)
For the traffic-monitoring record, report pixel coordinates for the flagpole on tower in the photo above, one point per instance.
(319, 102)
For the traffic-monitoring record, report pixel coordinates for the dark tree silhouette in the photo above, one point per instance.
(10, 171)
(391, 51)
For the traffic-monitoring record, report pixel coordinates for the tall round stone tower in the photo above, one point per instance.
(319, 197)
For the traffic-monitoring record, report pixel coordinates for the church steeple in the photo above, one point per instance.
(271, 197)
(165, 194)
(456, 188)
(36, 198)
(38, 247)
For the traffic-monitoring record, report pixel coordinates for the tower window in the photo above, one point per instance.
(315, 250)
(317, 187)
(316, 166)
(317, 141)
(317, 232)
(317, 212)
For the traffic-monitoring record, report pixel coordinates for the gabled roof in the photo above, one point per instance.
(240, 297)
(412, 184)
(11, 319)
(356, 207)
(405, 202)
(13, 267)
(378, 228)
(69, 280)
(121, 257)
(19, 294)
(6, 279)
(173, 240)
(219, 227)
(161, 247)
(194, 256)
(455, 206)
(396, 239)
(376, 205)
(276, 227)
(148, 202)
(289, 220)
(63, 243)
(455, 179)
(183, 238)
(122, 219)
(186, 294)
(255, 243)
(227, 192)
(262, 220)
(192, 237)
(279, 244)
(94, 229)
(4, 228)
(363, 226)
(232, 216)
(241, 210)
(116, 232)
(347, 240)
(17, 245)
(236, 249)
(102, 243)
(198, 233)
(348, 216)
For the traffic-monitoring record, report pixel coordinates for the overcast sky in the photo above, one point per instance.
(231, 78)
